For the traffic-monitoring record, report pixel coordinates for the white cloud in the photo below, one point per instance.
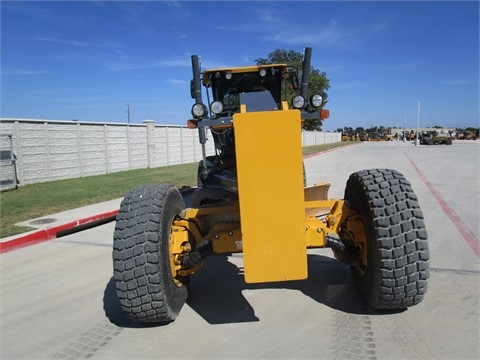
(459, 82)
(355, 85)
(329, 35)
(151, 65)
(178, 82)
(21, 72)
(77, 43)
(175, 4)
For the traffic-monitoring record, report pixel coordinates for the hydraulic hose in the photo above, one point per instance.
(202, 250)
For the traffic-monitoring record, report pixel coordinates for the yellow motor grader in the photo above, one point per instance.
(252, 199)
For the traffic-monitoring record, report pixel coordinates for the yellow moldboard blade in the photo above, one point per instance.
(270, 187)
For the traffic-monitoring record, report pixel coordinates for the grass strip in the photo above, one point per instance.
(37, 200)
(309, 150)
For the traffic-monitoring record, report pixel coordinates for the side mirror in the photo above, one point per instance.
(296, 79)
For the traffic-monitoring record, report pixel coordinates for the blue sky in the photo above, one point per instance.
(83, 60)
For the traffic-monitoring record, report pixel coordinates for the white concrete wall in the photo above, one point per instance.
(48, 150)
(310, 138)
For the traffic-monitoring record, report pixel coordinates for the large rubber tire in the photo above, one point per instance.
(397, 269)
(141, 256)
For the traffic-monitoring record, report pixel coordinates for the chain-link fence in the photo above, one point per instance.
(8, 171)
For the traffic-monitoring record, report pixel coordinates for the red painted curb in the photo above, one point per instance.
(52, 233)
(467, 235)
(68, 228)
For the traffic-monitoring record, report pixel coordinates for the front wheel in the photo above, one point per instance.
(393, 268)
(145, 284)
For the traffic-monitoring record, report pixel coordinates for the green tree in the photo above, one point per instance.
(348, 130)
(318, 81)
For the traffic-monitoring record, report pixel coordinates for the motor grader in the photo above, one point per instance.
(252, 199)
(436, 138)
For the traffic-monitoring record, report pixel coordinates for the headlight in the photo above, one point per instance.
(316, 100)
(198, 110)
(216, 107)
(298, 102)
(263, 72)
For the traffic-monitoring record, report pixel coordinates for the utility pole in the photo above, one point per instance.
(128, 113)
(418, 121)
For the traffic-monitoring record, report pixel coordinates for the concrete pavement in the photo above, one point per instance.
(59, 299)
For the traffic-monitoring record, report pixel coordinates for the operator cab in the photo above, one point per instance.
(246, 89)
(258, 87)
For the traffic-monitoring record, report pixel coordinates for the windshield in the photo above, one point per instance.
(228, 90)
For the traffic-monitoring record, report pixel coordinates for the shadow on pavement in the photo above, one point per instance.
(113, 310)
(215, 292)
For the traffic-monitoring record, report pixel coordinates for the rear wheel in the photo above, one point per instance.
(146, 287)
(393, 267)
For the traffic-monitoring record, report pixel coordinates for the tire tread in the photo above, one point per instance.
(137, 268)
(401, 238)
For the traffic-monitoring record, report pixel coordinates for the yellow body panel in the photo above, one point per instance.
(270, 183)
